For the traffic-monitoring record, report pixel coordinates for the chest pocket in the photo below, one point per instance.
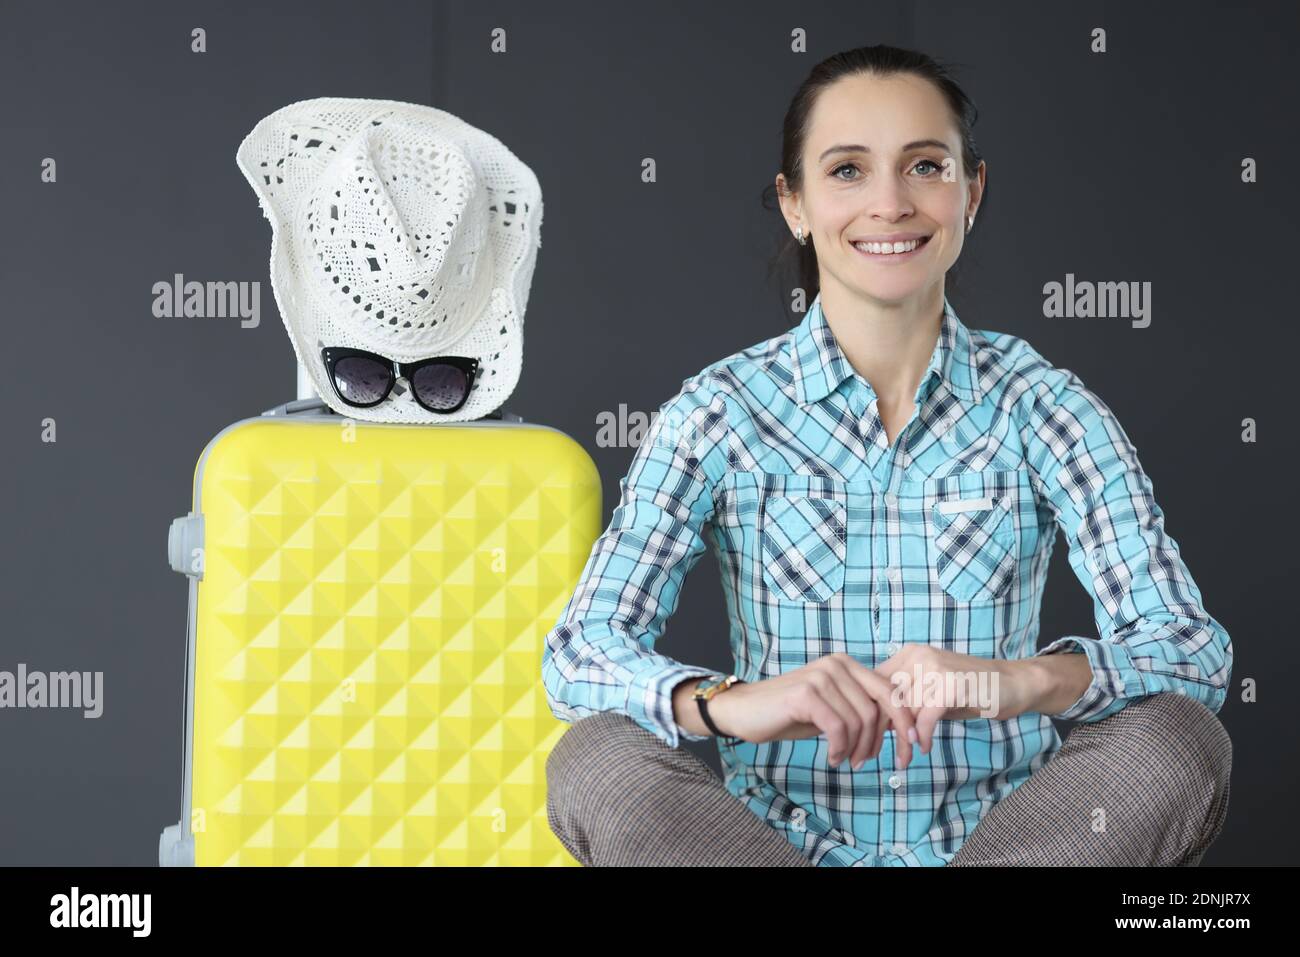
(973, 535)
(804, 545)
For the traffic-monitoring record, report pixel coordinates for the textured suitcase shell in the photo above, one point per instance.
(363, 674)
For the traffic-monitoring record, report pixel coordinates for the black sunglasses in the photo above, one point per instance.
(364, 379)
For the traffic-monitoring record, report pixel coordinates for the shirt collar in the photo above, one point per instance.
(820, 365)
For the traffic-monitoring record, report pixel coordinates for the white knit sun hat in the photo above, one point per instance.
(399, 229)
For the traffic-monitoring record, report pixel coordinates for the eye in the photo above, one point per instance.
(835, 173)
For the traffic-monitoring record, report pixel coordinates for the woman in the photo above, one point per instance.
(883, 487)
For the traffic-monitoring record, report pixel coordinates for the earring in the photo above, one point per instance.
(970, 222)
(798, 234)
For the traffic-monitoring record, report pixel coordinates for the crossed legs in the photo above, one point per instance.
(1146, 786)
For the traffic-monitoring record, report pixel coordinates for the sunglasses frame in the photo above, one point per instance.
(406, 370)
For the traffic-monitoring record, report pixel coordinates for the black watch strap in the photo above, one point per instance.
(704, 713)
(704, 703)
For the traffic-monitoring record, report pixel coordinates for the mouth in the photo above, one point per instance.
(892, 252)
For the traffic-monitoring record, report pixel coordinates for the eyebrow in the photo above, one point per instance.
(855, 148)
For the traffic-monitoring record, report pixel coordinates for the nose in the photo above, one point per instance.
(889, 200)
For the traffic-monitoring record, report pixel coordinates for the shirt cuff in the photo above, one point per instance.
(650, 700)
(1115, 680)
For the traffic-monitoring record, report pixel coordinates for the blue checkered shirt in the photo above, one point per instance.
(830, 539)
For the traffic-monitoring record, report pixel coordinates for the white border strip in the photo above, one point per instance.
(964, 504)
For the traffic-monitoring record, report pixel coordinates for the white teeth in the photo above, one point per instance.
(889, 248)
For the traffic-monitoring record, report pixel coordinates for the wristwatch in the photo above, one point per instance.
(706, 689)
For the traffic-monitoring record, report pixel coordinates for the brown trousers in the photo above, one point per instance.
(618, 796)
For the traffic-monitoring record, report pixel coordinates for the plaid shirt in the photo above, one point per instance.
(829, 539)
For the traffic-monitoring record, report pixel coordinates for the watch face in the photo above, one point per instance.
(707, 684)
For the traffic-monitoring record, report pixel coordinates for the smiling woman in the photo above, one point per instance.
(890, 124)
(884, 486)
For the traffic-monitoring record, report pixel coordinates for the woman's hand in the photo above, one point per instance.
(835, 695)
(934, 684)
(854, 705)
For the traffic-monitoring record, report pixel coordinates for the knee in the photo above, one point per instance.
(1184, 741)
(582, 760)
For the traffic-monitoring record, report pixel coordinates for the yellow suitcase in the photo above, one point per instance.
(368, 605)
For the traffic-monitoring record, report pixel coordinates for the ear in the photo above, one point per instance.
(975, 190)
(791, 204)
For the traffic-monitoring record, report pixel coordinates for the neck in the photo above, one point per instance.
(888, 343)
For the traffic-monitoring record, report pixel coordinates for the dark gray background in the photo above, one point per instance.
(1123, 166)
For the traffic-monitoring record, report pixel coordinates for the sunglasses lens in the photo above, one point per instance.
(361, 380)
(440, 386)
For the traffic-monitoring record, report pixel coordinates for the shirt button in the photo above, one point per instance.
(895, 781)
(892, 647)
(891, 499)
(892, 573)
(1096, 555)
(900, 849)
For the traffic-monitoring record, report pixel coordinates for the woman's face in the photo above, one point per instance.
(882, 161)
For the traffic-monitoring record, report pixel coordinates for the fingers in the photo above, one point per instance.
(899, 714)
(847, 695)
(881, 691)
(883, 725)
(926, 720)
(844, 723)
(824, 708)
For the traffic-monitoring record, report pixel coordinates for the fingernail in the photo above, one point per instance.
(911, 735)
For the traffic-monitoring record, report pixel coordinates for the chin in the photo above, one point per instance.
(891, 291)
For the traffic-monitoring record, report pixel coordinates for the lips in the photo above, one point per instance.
(922, 242)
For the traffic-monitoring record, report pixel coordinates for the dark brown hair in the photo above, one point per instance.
(798, 264)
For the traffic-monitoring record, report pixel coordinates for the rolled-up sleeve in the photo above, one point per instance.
(600, 655)
(1154, 634)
